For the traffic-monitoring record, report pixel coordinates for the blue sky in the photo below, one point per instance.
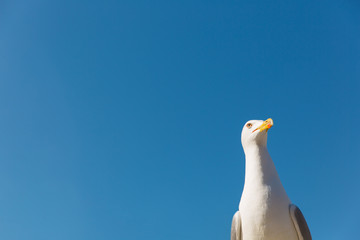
(122, 119)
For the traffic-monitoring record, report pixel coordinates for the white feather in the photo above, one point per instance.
(264, 204)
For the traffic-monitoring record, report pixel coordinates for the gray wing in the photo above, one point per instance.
(300, 224)
(236, 227)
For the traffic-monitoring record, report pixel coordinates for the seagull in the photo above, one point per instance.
(265, 211)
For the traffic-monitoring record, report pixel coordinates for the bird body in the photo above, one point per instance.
(264, 205)
(264, 209)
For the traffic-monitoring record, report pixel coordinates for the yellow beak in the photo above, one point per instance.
(266, 125)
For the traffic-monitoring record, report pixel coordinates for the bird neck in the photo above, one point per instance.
(259, 167)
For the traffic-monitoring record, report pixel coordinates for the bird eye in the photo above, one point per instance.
(249, 125)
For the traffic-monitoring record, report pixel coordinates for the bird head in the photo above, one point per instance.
(254, 133)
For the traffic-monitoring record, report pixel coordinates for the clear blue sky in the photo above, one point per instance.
(122, 119)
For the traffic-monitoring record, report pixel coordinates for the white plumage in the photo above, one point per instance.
(265, 211)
